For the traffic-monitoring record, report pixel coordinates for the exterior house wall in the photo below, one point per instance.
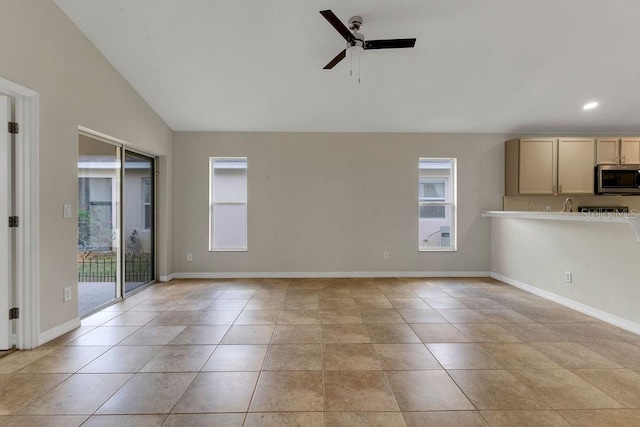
(134, 208)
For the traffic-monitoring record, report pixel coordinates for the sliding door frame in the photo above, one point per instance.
(154, 176)
(119, 214)
(124, 148)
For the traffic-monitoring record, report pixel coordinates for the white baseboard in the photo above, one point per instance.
(567, 302)
(59, 330)
(167, 278)
(325, 274)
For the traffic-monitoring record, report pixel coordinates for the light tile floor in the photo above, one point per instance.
(334, 352)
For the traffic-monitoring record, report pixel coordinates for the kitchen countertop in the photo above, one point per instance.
(631, 218)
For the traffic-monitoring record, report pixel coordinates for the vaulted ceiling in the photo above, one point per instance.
(520, 66)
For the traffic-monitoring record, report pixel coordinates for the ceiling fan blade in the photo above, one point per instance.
(338, 25)
(335, 60)
(389, 44)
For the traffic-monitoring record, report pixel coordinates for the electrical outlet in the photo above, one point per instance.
(189, 257)
(568, 277)
(66, 294)
(66, 211)
(385, 255)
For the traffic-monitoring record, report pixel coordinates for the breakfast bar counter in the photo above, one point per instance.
(631, 218)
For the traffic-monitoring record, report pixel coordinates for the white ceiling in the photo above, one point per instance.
(518, 66)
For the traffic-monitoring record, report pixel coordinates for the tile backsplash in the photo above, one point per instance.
(540, 203)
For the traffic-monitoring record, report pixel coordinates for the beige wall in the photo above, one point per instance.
(335, 202)
(42, 50)
(603, 258)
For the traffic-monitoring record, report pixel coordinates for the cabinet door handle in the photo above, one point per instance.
(624, 159)
(560, 189)
(553, 189)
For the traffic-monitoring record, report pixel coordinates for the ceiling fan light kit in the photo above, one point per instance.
(356, 44)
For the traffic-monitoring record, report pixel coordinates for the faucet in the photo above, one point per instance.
(568, 205)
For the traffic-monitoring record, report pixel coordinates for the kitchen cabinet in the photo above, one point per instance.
(608, 151)
(576, 165)
(531, 165)
(549, 166)
(630, 151)
(616, 151)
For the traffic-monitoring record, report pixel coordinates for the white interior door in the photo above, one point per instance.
(5, 211)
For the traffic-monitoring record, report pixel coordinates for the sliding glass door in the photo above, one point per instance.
(99, 185)
(138, 221)
(116, 223)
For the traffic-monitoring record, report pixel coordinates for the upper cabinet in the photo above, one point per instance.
(549, 166)
(616, 151)
(575, 165)
(608, 151)
(630, 151)
(537, 166)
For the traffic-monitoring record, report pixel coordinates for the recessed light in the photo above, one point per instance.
(590, 105)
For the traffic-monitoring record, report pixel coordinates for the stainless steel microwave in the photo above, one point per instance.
(618, 179)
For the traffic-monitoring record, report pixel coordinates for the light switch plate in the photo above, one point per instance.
(67, 294)
(66, 211)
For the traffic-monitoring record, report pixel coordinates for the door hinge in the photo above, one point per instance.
(14, 127)
(14, 313)
(14, 221)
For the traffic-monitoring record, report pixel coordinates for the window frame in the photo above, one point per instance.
(450, 202)
(213, 203)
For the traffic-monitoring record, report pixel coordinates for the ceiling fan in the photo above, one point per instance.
(356, 44)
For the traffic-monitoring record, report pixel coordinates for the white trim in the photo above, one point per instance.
(213, 203)
(7, 250)
(325, 274)
(59, 330)
(14, 89)
(14, 339)
(101, 136)
(27, 208)
(582, 308)
(437, 249)
(167, 278)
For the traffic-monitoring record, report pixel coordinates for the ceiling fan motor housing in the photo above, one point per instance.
(358, 41)
(355, 23)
